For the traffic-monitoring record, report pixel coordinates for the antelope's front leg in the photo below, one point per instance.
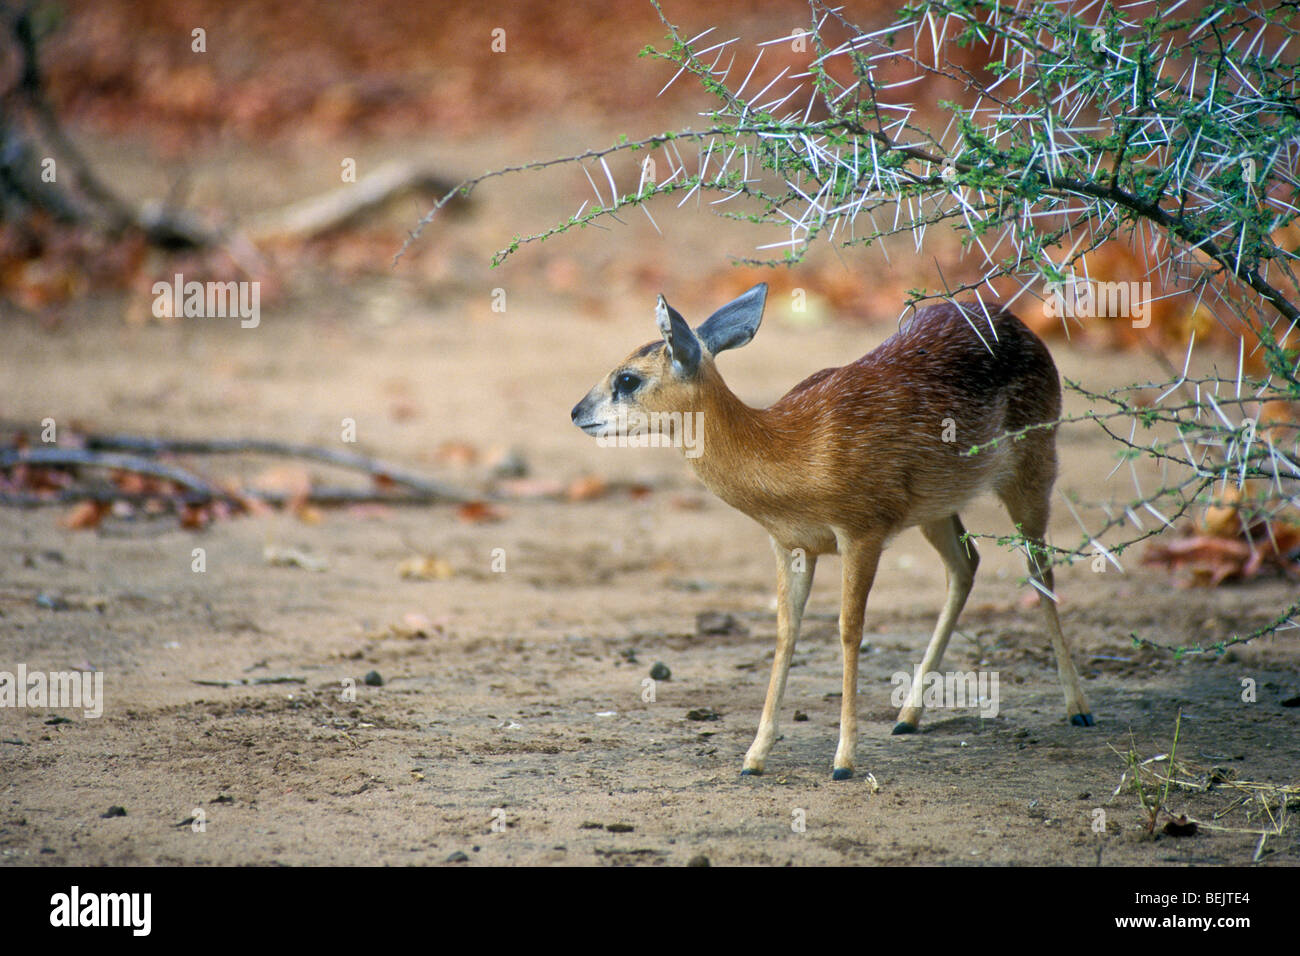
(860, 560)
(794, 575)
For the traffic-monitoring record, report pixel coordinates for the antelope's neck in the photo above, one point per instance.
(749, 457)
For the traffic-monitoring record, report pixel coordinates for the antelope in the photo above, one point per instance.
(852, 456)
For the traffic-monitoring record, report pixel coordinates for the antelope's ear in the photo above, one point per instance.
(735, 323)
(683, 346)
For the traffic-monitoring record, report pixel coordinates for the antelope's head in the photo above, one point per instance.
(657, 386)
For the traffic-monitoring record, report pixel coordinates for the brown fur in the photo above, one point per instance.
(861, 446)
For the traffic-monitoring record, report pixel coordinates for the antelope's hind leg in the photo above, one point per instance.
(1029, 510)
(959, 561)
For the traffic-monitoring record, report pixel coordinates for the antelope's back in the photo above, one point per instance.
(963, 355)
(901, 420)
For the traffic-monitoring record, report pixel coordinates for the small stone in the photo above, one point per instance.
(509, 464)
(114, 811)
(619, 827)
(372, 679)
(700, 860)
(703, 713)
(660, 671)
(799, 715)
(458, 857)
(51, 601)
(716, 623)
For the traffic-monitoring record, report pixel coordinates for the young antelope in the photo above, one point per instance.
(851, 456)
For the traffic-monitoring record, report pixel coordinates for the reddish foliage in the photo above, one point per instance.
(478, 512)
(1248, 531)
(84, 515)
(320, 70)
(586, 488)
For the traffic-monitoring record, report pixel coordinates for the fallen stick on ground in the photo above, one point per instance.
(319, 496)
(134, 454)
(329, 456)
(56, 457)
(349, 204)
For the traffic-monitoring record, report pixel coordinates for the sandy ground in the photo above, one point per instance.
(515, 730)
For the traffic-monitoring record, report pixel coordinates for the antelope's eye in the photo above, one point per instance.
(625, 383)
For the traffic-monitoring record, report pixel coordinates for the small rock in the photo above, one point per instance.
(372, 679)
(691, 584)
(716, 623)
(703, 713)
(700, 860)
(1220, 775)
(509, 464)
(52, 602)
(458, 857)
(619, 827)
(114, 811)
(660, 671)
(799, 715)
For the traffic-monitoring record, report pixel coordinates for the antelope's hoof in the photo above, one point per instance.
(903, 727)
(750, 772)
(841, 773)
(1083, 720)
